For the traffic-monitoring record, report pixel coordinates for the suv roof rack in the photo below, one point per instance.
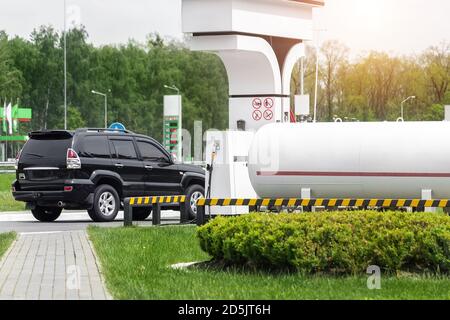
(104, 130)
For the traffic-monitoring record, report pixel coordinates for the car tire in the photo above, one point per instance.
(193, 193)
(44, 214)
(106, 204)
(140, 214)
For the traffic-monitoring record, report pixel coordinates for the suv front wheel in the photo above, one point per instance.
(106, 204)
(193, 193)
(46, 214)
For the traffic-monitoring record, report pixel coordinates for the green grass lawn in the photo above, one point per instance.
(5, 241)
(135, 262)
(7, 202)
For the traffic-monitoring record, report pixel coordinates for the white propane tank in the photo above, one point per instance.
(351, 160)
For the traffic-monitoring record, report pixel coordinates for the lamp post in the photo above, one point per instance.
(65, 67)
(403, 102)
(106, 105)
(172, 87)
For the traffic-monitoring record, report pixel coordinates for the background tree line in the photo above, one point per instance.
(133, 74)
(371, 87)
(367, 88)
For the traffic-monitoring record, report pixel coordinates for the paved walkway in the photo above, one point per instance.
(51, 266)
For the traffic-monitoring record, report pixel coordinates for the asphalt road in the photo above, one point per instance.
(24, 222)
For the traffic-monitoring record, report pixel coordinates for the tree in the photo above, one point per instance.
(334, 67)
(10, 84)
(437, 69)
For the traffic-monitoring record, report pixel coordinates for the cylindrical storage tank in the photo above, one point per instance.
(352, 160)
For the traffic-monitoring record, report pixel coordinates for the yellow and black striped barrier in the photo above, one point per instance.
(386, 203)
(145, 201)
(154, 202)
(327, 203)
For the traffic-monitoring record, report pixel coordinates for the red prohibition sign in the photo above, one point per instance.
(257, 103)
(268, 103)
(257, 115)
(268, 114)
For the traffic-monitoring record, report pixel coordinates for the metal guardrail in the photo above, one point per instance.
(155, 202)
(255, 204)
(7, 165)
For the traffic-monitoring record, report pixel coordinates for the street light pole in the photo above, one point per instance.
(173, 87)
(65, 67)
(106, 105)
(403, 102)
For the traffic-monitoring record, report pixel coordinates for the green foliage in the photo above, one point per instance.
(5, 241)
(372, 86)
(332, 242)
(6, 181)
(133, 75)
(10, 85)
(7, 202)
(74, 119)
(435, 113)
(141, 270)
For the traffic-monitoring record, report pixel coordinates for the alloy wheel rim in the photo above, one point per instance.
(193, 201)
(107, 203)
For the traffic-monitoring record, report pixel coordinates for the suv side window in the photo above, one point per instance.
(150, 152)
(124, 149)
(95, 147)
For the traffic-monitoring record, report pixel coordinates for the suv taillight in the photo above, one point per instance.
(73, 160)
(16, 163)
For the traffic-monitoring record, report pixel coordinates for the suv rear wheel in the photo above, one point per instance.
(106, 204)
(44, 214)
(193, 193)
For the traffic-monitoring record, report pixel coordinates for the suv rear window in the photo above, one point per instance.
(46, 150)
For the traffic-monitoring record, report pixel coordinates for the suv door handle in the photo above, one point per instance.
(119, 165)
(148, 167)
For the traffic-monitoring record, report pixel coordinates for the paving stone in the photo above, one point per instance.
(49, 266)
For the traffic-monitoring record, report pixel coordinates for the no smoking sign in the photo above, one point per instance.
(266, 114)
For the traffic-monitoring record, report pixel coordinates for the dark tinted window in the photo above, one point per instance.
(124, 149)
(150, 152)
(95, 147)
(42, 149)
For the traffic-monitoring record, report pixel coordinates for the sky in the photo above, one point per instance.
(395, 26)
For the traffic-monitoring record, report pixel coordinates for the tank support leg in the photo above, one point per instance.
(427, 194)
(306, 194)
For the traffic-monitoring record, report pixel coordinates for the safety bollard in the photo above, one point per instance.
(201, 219)
(184, 214)
(156, 216)
(128, 215)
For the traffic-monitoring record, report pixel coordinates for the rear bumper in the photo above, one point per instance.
(81, 196)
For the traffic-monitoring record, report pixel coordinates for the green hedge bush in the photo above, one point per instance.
(339, 242)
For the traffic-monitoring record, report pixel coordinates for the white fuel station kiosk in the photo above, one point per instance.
(259, 42)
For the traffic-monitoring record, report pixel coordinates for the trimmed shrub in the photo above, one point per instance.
(339, 242)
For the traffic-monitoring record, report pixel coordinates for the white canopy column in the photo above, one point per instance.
(259, 42)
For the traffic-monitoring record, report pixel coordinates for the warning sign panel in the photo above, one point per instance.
(268, 114)
(268, 103)
(257, 115)
(257, 103)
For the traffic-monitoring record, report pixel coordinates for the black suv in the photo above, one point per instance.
(95, 169)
